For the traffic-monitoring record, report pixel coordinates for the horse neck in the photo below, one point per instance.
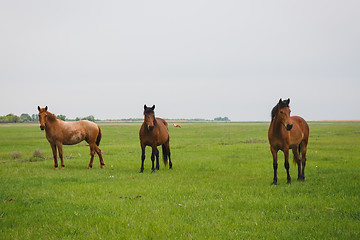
(155, 122)
(276, 124)
(51, 121)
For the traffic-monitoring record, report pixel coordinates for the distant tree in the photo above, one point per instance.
(62, 117)
(221, 119)
(25, 117)
(77, 119)
(10, 118)
(35, 117)
(90, 118)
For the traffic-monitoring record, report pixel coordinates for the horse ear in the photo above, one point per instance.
(39, 108)
(145, 107)
(46, 108)
(153, 107)
(288, 101)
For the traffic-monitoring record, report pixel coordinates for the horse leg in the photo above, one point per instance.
(142, 157)
(53, 147)
(170, 163)
(286, 164)
(98, 151)
(303, 159)
(167, 147)
(153, 160)
(61, 155)
(275, 164)
(157, 158)
(297, 160)
(92, 153)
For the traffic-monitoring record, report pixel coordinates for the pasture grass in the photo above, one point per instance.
(219, 187)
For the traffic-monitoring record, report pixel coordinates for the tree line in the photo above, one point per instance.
(23, 118)
(12, 118)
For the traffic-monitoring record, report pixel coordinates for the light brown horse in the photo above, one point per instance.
(60, 133)
(154, 132)
(287, 133)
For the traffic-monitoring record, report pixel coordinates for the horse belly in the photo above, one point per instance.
(74, 139)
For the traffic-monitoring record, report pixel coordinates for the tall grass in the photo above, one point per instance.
(219, 187)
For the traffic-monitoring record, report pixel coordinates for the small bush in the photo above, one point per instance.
(15, 155)
(38, 154)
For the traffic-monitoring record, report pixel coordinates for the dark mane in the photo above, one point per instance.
(51, 116)
(283, 104)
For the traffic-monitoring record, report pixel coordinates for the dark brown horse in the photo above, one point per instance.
(60, 133)
(154, 132)
(287, 133)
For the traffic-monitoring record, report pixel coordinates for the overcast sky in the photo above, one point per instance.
(191, 58)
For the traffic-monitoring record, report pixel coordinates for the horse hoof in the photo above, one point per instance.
(274, 183)
(55, 168)
(62, 168)
(288, 182)
(102, 166)
(89, 167)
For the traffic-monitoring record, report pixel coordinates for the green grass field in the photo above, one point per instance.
(219, 187)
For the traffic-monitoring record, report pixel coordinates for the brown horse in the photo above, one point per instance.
(154, 132)
(60, 133)
(286, 133)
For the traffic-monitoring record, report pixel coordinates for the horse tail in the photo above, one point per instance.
(98, 139)
(297, 161)
(165, 154)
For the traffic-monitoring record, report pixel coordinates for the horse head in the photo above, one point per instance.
(42, 117)
(283, 113)
(149, 117)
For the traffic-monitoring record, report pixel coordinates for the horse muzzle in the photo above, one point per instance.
(289, 127)
(42, 128)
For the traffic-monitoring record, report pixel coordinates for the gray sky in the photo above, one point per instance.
(191, 58)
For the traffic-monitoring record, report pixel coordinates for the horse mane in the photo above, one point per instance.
(51, 116)
(282, 104)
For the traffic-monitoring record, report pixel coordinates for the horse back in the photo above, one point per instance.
(163, 122)
(75, 132)
(300, 131)
(304, 127)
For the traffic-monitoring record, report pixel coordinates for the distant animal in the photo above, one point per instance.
(177, 125)
(154, 132)
(287, 133)
(59, 132)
